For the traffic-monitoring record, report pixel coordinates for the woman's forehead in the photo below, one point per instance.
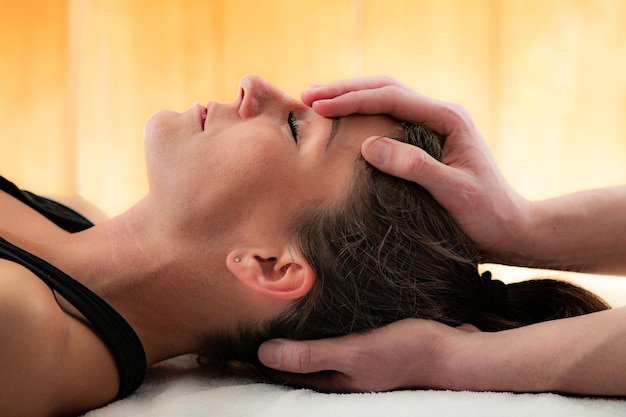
(358, 128)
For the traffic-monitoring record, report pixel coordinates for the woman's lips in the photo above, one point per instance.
(214, 106)
(202, 111)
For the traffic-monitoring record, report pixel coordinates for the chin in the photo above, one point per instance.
(159, 124)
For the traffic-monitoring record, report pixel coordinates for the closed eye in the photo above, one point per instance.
(293, 125)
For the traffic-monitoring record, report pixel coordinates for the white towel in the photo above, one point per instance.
(178, 388)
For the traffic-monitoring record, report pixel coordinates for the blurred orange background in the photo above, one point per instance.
(545, 80)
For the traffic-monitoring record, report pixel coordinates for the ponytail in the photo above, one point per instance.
(538, 300)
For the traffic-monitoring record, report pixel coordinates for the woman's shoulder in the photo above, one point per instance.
(28, 320)
(43, 350)
(25, 300)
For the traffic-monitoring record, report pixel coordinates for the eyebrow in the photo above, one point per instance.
(333, 131)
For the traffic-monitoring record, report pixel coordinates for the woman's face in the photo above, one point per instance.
(254, 162)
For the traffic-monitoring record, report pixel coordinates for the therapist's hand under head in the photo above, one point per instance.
(467, 182)
(405, 354)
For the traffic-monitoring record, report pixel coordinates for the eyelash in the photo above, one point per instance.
(293, 125)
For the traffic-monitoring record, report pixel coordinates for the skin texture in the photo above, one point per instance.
(223, 184)
(576, 232)
(582, 232)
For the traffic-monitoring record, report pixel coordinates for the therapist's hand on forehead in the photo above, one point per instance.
(467, 182)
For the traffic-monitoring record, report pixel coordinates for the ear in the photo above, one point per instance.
(285, 275)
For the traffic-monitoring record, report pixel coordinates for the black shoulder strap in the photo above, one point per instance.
(61, 215)
(114, 330)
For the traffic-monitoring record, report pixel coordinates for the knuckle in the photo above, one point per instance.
(414, 162)
(392, 90)
(387, 79)
(391, 94)
(302, 355)
(455, 117)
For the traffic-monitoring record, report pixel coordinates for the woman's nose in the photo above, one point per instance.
(259, 96)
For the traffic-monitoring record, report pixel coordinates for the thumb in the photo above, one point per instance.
(402, 160)
(304, 363)
(294, 356)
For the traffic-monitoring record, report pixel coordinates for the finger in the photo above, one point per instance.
(321, 381)
(468, 328)
(301, 357)
(406, 161)
(442, 117)
(382, 100)
(338, 88)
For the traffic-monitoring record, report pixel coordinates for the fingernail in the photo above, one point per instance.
(270, 353)
(314, 85)
(378, 151)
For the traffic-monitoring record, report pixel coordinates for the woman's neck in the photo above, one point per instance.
(162, 290)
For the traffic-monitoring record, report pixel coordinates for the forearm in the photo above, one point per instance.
(580, 355)
(584, 232)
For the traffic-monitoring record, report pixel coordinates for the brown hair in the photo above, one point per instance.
(388, 251)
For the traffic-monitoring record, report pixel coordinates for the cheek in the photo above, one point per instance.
(241, 167)
(266, 172)
(263, 176)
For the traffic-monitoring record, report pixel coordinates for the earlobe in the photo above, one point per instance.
(286, 276)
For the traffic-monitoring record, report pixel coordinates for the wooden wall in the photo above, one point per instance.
(544, 79)
(36, 139)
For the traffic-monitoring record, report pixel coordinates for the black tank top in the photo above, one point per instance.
(120, 338)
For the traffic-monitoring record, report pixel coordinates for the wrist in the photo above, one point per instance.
(509, 360)
(525, 234)
(480, 362)
(517, 230)
(546, 241)
(431, 363)
(456, 361)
